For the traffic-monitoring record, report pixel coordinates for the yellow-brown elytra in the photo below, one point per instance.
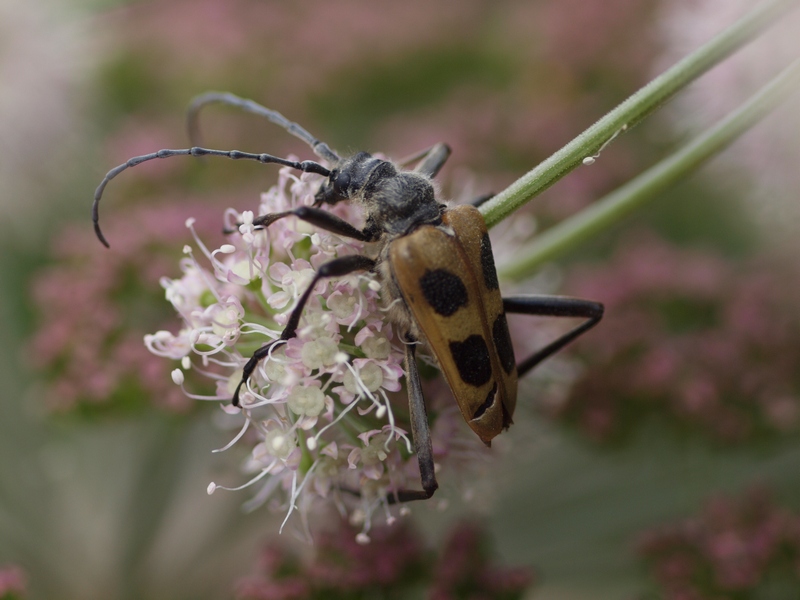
(436, 269)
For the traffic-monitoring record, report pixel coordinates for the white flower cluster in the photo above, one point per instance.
(316, 411)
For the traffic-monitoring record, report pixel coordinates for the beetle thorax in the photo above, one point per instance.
(399, 201)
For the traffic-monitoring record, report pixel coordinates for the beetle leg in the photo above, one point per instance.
(431, 159)
(337, 267)
(481, 199)
(419, 155)
(322, 219)
(420, 431)
(553, 306)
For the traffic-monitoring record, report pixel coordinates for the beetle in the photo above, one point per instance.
(435, 267)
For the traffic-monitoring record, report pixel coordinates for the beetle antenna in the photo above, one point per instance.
(321, 149)
(307, 166)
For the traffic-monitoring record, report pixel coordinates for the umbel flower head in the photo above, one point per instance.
(317, 414)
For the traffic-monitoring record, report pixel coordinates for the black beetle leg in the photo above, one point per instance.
(553, 306)
(337, 267)
(420, 431)
(431, 159)
(322, 219)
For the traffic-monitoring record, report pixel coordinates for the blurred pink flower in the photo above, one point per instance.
(689, 336)
(86, 342)
(730, 550)
(13, 582)
(395, 564)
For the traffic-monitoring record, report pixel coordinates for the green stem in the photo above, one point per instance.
(616, 205)
(633, 110)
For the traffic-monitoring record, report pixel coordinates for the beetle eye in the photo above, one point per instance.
(340, 184)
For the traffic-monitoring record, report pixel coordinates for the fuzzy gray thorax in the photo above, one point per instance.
(398, 201)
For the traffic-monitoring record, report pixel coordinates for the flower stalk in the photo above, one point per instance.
(633, 110)
(610, 209)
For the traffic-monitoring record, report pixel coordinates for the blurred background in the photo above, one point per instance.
(659, 457)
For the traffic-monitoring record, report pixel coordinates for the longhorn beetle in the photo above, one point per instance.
(435, 267)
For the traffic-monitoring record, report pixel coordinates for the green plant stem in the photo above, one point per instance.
(616, 205)
(633, 110)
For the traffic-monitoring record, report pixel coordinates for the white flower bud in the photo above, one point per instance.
(377, 347)
(319, 353)
(275, 369)
(177, 376)
(277, 444)
(375, 451)
(306, 401)
(225, 321)
(370, 377)
(342, 305)
(243, 269)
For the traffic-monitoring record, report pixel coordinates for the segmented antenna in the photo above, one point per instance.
(321, 149)
(307, 166)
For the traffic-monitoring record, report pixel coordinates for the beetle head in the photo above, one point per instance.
(347, 179)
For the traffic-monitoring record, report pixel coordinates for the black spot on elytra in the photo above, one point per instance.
(487, 264)
(502, 343)
(444, 291)
(490, 397)
(472, 360)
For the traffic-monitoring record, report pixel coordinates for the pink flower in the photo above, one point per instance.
(13, 582)
(733, 546)
(709, 344)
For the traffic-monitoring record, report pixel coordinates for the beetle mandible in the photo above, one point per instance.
(435, 267)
